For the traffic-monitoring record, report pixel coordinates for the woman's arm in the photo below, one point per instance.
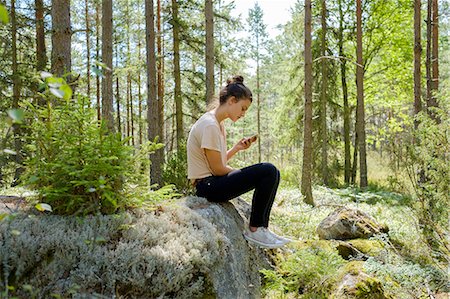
(215, 163)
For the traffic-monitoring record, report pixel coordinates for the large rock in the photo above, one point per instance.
(190, 249)
(237, 273)
(345, 224)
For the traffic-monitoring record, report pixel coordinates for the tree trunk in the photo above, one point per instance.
(177, 75)
(16, 96)
(323, 98)
(152, 101)
(119, 122)
(97, 55)
(61, 37)
(307, 126)
(347, 163)
(88, 50)
(360, 98)
(41, 52)
(107, 45)
(209, 20)
(140, 127)
(417, 59)
(160, 71)
(429, 96)
(434, 59)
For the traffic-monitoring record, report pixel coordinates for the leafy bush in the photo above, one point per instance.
(76, 165)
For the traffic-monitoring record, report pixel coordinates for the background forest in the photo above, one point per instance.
(97, 99)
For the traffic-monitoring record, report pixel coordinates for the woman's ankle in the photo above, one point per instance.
(252, 228)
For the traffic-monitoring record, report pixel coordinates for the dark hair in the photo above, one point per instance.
(235, 88)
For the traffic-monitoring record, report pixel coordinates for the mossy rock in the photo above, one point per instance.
(354, 283)
(360, 249)
(346, 224)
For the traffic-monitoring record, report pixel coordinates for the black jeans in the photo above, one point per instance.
(263, 177)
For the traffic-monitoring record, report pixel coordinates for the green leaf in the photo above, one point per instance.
(3, 216)
(67, 91)
(43, 207)
(4, 14)
(33, 179)
(9, 152)
(57, 93)
(16, 115)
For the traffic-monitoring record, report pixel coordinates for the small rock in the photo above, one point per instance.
(345, 224)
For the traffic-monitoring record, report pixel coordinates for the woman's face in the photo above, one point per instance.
(237, 108)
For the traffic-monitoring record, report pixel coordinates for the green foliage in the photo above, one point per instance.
(428, 167)
(310, 270)
(4, 18)
(175, 170)
(75, 164)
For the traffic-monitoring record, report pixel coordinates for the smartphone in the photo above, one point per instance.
(253, 138)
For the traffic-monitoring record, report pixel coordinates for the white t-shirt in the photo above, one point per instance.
(206, 133)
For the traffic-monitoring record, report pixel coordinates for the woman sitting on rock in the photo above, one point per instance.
(208, 171)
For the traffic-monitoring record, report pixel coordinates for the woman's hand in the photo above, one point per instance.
(243, 144)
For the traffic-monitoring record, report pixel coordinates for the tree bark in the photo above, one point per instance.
(323, 98)
(61, 37)
(160, 70)
(97, 55)
(417, 59)
(360, 99)
(88, 50)
(107, 45)
(307, 126)
(177, 75)
(152, 101)
(434, 59)
(209, 20)
(16, 96)
(347, 163)
(41, 52)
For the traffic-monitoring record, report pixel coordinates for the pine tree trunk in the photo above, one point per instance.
(61, 37)
(434, 59)
(97, 55)
(41, 52)
(107, 45)
(119, 122)
(140, 127)
(160, 73)
(177, 75)
(347, 163)
(16, 96)
(323, 99)
(152, 101)
(428, 58)
(417, 59)
(209, 20)
(88, 50)
(258, 105)
(360, 99)
(307, 126)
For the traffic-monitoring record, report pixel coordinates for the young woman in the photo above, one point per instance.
(215, 180)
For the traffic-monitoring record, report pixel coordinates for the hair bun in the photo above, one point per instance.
(236, 79)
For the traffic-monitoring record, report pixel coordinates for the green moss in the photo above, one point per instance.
(368, 247)
(370, 288)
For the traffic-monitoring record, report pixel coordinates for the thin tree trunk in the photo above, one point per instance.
(128, 126)
(347, 163)
(97, 55)
(258, 104)
(160, 75)
(88, 50)
(209, 20)
(139, 94)
(61, 37)
(323, 100)
(177, 75)
(41, 52)
(16, 96)
(428, 57)
(355, 156)
(107, 45)
(434, 59)
(133, 143)
(360, 98)
(307, 126)
(152, 101)
(417, 59)
(119, 122)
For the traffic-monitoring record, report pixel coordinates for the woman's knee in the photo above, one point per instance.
(270, 169)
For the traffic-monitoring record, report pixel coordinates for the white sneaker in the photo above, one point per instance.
(280, 238)
(262, 238)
